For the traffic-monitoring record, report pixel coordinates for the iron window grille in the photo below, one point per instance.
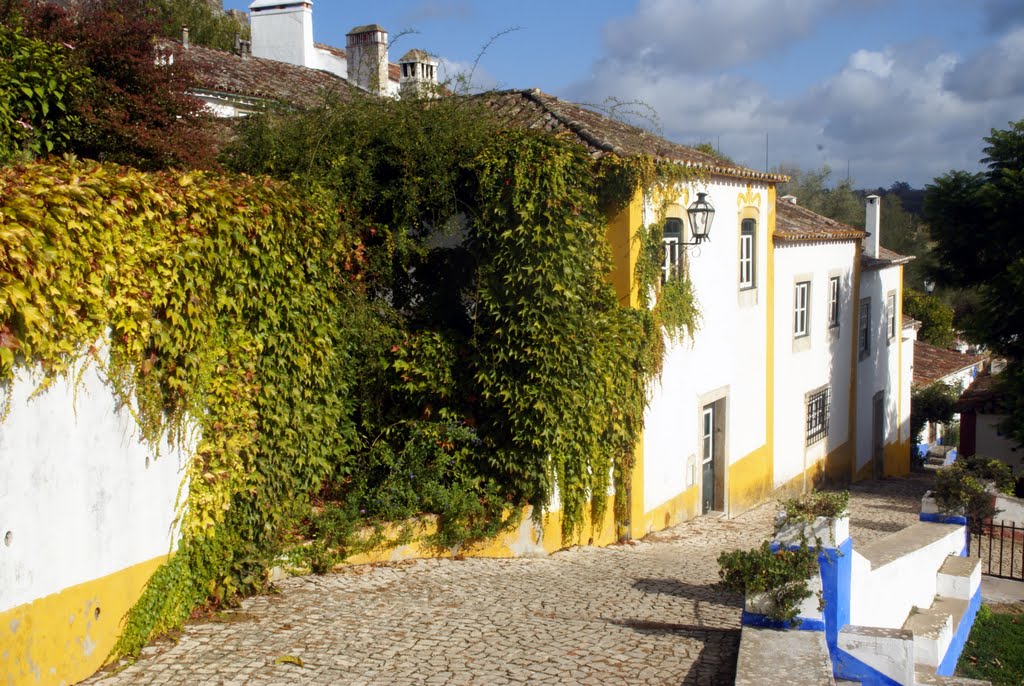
(817, 415)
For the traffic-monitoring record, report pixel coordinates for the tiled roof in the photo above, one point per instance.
(932, 363)
(910, 322)
(255, 77)
(799, 224)
(886, 258)
(532, 109)
(983, 395)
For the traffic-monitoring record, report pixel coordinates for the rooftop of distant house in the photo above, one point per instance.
(228, 73)
(794, 223)
(983, 395)
(602, 134)
(932, 363)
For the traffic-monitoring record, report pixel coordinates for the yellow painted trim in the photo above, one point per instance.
(65, 637)
(682, 507)
(831, 470)
(897, 462)
(524, 539)
(750, 481)
(621, 234)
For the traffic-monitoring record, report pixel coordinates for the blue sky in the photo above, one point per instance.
(892, 89)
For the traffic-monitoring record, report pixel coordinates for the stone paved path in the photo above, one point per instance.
(644, 613)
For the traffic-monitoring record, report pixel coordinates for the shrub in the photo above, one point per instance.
(780, 574)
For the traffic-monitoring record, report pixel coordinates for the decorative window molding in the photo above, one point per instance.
(890, 313)
(672, 249)
(748, 254)
(864, 329)
(817, 414)
(834, 297)
(801, 308)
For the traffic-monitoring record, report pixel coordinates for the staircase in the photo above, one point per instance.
(913, 601)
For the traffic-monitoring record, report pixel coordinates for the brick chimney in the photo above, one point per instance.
(872, 224)
(418, 74)
(282, 30)
(366, 55)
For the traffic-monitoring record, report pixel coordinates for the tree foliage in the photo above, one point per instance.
(932, 403)
(40, 90)
(136, 110)
(975, 221)
(206, 27)
(813, 190)
(935, 316)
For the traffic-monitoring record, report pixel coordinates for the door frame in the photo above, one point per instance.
(718, 400)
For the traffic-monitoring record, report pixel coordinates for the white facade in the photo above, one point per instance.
(725, 364)
(883, 406)
(80, 498)
(808, 364)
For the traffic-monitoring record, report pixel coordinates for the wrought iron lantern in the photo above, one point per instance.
(701, 214)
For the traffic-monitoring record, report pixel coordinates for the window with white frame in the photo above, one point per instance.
(864, 328)
(748, 245)
(801, 308)
(672, 248)
(890, 311)
(833, 302)
(817, 415)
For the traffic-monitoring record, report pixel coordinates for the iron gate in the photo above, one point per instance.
(999, 546)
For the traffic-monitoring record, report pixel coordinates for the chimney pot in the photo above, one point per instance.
(872, 224)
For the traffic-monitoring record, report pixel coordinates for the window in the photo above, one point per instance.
(864, 328)
(890, 305)
(800, 313)
(817, 415)
(747, 253)
(833, 302)
(671, 243)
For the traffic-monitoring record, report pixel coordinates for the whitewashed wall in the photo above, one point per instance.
(819, 359)
(991, 442)
(881, 369)
(727, 355)
(80, 496)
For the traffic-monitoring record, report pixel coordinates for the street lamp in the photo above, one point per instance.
(701, 214)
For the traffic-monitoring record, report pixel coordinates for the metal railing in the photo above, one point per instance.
(1000, 547)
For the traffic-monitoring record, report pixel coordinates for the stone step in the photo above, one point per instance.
(898, 544)
(934, 627)
(924, 677)
(959, 577)
(774, 656)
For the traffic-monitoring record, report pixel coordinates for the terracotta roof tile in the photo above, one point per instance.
(255, 77)
(886, 258)
(932, 363)
(601, 135)
(799, 224)
(983, 395)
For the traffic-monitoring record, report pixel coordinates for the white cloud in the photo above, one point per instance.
(465, 76)
(887, 113)
(687, 35)
(992, 73)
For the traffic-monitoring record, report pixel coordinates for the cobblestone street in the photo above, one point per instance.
(645, 613)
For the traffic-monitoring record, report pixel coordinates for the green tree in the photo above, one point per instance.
(206, 26)
(813, 191)
(936, 317)
(933, 403)
(975, 222)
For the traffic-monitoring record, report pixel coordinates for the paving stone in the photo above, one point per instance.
(648, 613)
